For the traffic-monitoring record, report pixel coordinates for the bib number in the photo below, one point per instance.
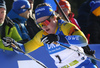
(57, 56)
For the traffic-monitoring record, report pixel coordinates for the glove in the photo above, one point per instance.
(7, 41)
(48, 39)
(88, 51)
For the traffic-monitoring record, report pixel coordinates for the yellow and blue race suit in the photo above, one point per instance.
(63, 57)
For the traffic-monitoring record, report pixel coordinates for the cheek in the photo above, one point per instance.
(60, 13)
(3, 16)
(52, 25)
(66, 12)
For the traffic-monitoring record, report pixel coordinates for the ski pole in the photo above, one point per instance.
(66, 18)
(16, 47)
(78, 51)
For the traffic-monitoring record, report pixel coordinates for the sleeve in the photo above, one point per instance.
(3, 47)
(34, 43)
(73, 35)
(15, 35)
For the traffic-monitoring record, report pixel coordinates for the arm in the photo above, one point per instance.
(3, 47)
(34, 43)
(73, 35)
(27, 47)
(13, 34)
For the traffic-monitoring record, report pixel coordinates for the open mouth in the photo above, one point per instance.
(47, 29)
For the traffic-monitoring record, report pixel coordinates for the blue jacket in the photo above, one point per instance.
(20, 24)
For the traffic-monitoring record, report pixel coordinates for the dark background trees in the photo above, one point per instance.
(75, 4)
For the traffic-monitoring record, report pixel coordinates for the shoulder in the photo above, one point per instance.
(40, 34)
(67, 24)
(66, 28)
(9, 22)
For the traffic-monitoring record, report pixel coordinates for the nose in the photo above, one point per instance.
(28, 11)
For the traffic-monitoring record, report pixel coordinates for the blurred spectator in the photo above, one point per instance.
(19, 14)
(93, 27)
(83, 13)
(66, 7)
(31, 25)
(36, 2)
(7, 28)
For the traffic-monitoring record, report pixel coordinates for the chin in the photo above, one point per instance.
(1, 22)
(50, 32)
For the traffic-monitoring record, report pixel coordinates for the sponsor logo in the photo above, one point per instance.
(51, 46)
(50, 9)
(23, 6)
(73, 38)
(38, 10)
(38, 13)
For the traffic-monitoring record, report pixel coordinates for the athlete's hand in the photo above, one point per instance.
(7, 41)
(48, 39)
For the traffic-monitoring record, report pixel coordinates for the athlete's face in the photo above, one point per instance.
(48, 24)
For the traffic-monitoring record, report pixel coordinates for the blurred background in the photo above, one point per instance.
(75, 4)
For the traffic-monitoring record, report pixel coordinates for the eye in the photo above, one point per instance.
(2, 12)
(41, 25)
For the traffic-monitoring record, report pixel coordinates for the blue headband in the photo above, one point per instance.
(43, 11)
